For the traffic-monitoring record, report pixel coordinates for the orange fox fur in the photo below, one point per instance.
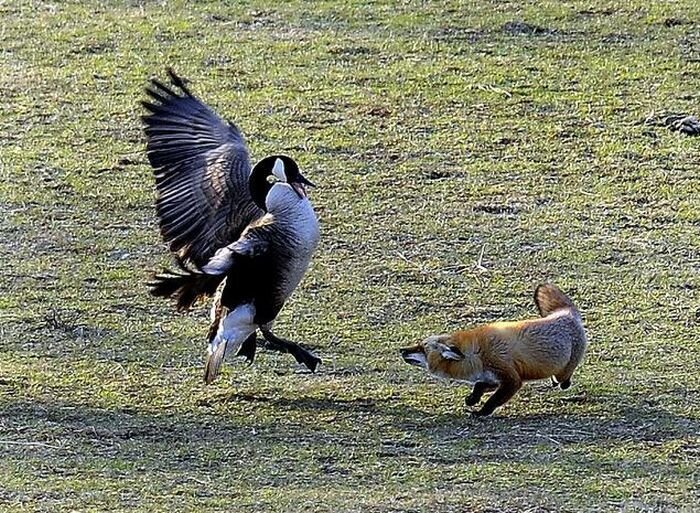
(499, 357)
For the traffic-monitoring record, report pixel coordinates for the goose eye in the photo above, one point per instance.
(272, 179)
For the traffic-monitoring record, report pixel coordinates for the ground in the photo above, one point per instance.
(463, 153)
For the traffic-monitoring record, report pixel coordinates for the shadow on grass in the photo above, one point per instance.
(310, 444)
(278, 421)
(624, 418)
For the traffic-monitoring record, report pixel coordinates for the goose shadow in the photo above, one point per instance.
(387, 428)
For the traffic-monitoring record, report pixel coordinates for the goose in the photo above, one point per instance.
(242, 236)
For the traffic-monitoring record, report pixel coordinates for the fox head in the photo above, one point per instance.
(432, 354)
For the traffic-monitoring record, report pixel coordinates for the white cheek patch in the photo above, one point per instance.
(278, 170)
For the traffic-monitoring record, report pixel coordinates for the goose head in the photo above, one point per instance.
(275, 169)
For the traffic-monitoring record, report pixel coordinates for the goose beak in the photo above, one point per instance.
(299, 189)
(305, 181)
(299, 183)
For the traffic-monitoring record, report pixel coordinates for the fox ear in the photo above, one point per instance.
(451, 353)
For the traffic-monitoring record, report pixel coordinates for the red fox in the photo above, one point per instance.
(499, 357)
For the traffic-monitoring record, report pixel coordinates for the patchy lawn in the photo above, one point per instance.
(464, 152)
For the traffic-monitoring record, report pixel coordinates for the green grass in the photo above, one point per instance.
(434, 131)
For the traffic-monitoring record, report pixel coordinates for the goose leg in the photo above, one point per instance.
(248, 348)
(300, 354)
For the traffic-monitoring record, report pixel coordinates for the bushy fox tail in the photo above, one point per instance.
(549, 299)
(185, 286)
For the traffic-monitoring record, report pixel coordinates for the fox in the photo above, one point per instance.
(501, 356)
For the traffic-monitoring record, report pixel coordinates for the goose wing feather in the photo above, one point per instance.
(201, 166)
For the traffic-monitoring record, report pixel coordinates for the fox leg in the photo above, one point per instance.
(562, 381)
(505, 391)
(300, 354)
(563, 384)
(564, 377)
(480, 388)
(577, 351)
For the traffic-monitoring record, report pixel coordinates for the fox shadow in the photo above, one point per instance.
(389, 428)
(566, 422)
(546, 436)
(570, 418)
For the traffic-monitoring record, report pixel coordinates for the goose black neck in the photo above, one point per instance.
(259, 185)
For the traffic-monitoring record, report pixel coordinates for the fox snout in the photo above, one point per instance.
(413, 355)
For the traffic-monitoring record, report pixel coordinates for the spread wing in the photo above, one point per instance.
(201, 167)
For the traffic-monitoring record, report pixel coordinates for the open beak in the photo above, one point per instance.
(305, 181)
(298, 185)
(299, 189)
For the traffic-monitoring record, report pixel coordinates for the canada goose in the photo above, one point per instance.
(245, 237)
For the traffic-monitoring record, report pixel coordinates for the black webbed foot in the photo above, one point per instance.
(300, 354)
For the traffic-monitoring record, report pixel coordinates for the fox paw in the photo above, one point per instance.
(563, 385)
(470, 400)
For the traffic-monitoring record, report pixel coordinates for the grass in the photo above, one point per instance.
(442, 136)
